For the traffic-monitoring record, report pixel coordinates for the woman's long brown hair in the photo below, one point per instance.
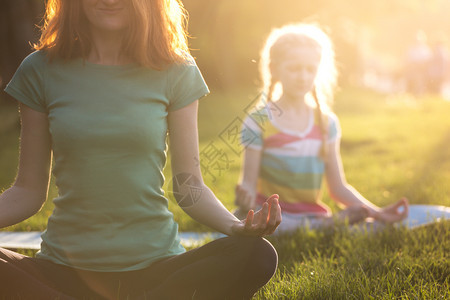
(156, 36)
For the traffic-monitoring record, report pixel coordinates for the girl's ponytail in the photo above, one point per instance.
(323, 130)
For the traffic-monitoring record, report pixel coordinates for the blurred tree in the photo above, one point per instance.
(17, 31)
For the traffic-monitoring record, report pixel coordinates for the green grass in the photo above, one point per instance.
(341, 264)
(391, 147)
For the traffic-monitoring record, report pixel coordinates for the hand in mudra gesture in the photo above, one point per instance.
(392, 213)
(262, 222)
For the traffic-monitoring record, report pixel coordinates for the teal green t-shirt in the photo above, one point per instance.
(108, 126)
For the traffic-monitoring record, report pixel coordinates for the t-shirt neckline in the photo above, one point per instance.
(92, 65)
(303, 133)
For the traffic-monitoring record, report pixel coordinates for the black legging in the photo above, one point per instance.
(227, 268)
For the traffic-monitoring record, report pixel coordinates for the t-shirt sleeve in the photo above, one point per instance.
(334, 128)
(186, 85)
(27, 84)
(251, 134)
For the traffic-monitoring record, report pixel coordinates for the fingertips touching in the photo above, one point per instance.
(274, 197)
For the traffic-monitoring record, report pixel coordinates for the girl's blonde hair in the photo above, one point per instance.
(282, 39)
(156, 35)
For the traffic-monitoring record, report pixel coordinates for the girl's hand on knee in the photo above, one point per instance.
(394, 212)
(352, 215)
(265, 221)
(245, 198)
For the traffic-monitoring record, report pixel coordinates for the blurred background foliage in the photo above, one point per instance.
(228, 35)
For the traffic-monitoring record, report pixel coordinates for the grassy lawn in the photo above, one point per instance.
(340, 264)
(391, 147)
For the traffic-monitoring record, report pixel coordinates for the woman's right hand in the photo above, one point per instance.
(245, 197)
(263, 222)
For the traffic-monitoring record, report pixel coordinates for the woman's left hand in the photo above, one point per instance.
(263, 222)
(392, 213)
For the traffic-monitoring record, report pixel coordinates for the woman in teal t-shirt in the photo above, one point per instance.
(107, 83)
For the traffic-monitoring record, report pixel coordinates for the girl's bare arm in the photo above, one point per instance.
(344, 193)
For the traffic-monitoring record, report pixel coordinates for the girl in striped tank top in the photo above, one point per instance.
(292, 138)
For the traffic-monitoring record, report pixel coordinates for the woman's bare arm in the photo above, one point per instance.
(29, 191)
(196, 199)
